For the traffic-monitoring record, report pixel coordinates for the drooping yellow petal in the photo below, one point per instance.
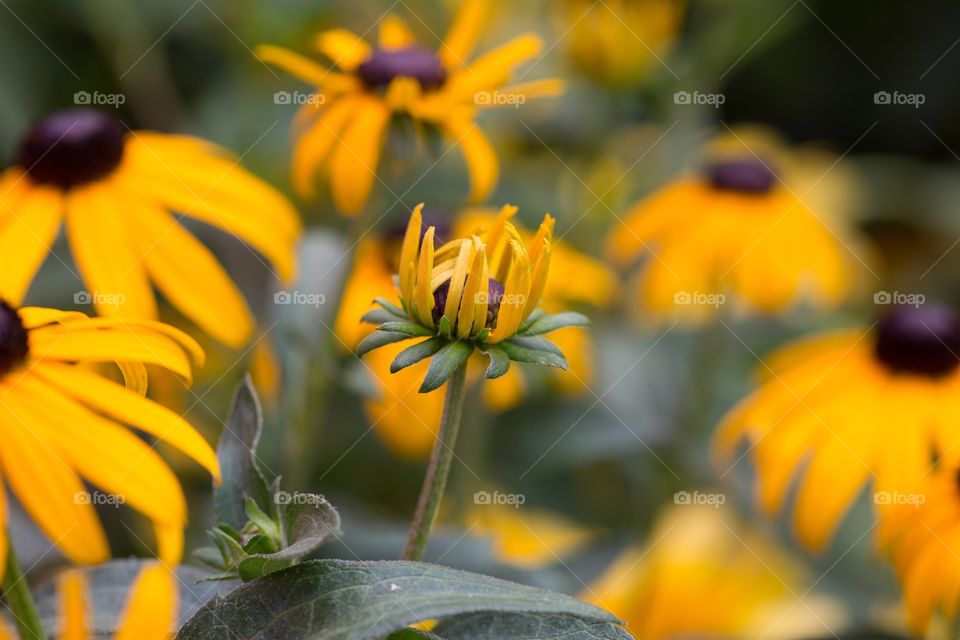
(409, 254)
(74, 606)
(423, 291)
(394, 33)
(169, 541)
(302, 67)
(134, 376)
(492, 68)
(463, 33)
(190, 277)
(353, 166)
(34, 317)
(151, 609)
(47, 487)
(103, 249)
(26, 238)
(315, 144)
(344, 48)
(481, 158)
(128, 407)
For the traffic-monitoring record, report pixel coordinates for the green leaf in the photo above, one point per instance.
(308, 519)
(499, 361)
(353, 600)
(523, 354)
(263, 521)
(536, 343)
(408, 328)
(412, 634)
(237, 454)
(416, 353)
(379, 316)
(546, 324)
(521, 626)
(379, 339)
(451, 357)
(392, 308)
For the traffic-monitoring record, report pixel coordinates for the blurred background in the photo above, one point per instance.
(859, 95)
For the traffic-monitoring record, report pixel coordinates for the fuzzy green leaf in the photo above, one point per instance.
(408, 328)
(499, 361)
(451, 357)
(416, 353)
(548, 323)
(520, 626)
(521, 353)
(353, 600)
(392, 308)
(379, 339)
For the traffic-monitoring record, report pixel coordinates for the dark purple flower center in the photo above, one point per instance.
(922, 341)
(745, 175)
(72, 147)
(495, 297)
(384, 65)
(13, 339)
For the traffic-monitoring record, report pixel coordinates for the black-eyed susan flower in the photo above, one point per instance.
(342, 133)
(63, 424)
(405, 420)
(920, 530)
(478, 292)
(732, 234)
(120, 195)
(849, 408)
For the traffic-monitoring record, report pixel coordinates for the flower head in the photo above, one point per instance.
(734, 231)
(116, 191)
(345, 122)
(481, 291)
(62, 424)
(875, 405)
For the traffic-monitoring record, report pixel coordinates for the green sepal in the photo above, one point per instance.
(407, 328)
(392, 308)
(379, 316)
(451, 357)
(379, 339)
(523, 353)
(482, 335)
(535, 343)
(499, 361)
(414, 354)
(446, 329)
(548, 323)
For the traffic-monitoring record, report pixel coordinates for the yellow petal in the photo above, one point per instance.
(517, 94)
(409, 254)
(34, 317)
(134, 376)
(394, 33)
(315, 144)
(26, 238)
(482, 163)
(475, 294)
(74, 607)
(302, 67)
(102, 247)
(128, 407)
(353, 167)
(516, 290)
(423, 292)
(493, 68)
(190, 276)
(457, 281)
(151, 609)
(344, 48)
(463, 33)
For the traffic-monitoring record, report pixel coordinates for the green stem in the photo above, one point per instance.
(438, 469)
(16, 591)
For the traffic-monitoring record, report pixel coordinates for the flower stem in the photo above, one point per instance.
(438, 469)
(16, 591)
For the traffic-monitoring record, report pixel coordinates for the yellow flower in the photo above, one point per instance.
(702, 574)
(733, 230)
(921, 532)
(150, 611)
(344, 125)
(620, 41)
(851, 407)
(62, 423)
(117, 190)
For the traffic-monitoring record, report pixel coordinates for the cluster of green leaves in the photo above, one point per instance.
(447, 354)
(285, 596)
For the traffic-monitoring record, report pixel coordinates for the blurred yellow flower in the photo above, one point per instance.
(406, 420)
(703, 574)
(63, 422)
(346, 121)
(733, 230)
(150, 611)
(619, 41)
(116, 189)
(851, 407)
